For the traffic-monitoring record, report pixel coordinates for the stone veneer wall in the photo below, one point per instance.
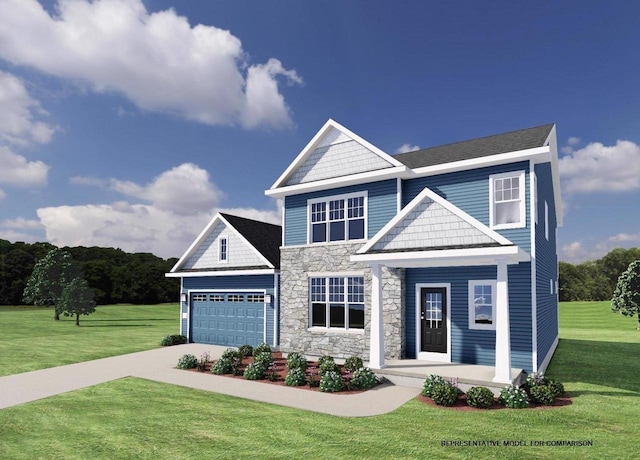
(295, 335)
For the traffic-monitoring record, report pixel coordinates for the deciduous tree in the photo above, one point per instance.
(626, 297)
(77, 299)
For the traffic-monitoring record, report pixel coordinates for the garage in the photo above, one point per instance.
(227, 318)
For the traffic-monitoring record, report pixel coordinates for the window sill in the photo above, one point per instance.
(482, 328)
(334, 330)
(507, 226)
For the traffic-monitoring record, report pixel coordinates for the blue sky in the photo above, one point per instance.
(129, 123)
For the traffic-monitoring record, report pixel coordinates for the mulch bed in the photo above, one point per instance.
(461, 404)
(280, 369)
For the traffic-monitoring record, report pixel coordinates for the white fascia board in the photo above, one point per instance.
(343, 181)
(426, 192)
(538, 154)
(311, 146)
(555, 174)
(257, 271)
(196, 242)
(447, 257)
(241, 236)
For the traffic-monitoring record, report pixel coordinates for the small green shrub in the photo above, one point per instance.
(330, 382)
(444, 394)
(353, 363)
(246, 350)
(224, 365)
(325, 358)
(535, 379)
(327, 364)
(232, 353)
(514, 397)
(253, 372)
(558, 388)
(187, 362)
(263, 359)
(174, 339)
(363, 378)
(430, 382)
(480, 397)
(295, 377)
(543, 394)
(296, 361)
(262, 348)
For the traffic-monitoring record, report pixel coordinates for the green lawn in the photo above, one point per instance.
(32, 340)
(134, 418)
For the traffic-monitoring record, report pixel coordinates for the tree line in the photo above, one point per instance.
(114, 276)
(594, 279)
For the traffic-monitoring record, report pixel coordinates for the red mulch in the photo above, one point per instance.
(461, 404)
(280, 368)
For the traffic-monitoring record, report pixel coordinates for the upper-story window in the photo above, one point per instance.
(506, 208)
(223, 253)
(337, 218)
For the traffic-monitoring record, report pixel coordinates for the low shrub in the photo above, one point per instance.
(262, 348)
(480, 397)
(535, 379)
(295, 377)
(254, 372)
(324, 359)
(246, 350)
(543, 394)
(187, 362)
(330, 382)
(203, 361)
(444, 394)
(224, 365)
(232, 353)
(327, 364)
(174, 339)
(263, 359)
(514, 397)
(558, 388)
(430, 382)
(363, 378)
(353, 363)
(296, 361)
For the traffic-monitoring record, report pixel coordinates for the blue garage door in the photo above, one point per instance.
(230, 319)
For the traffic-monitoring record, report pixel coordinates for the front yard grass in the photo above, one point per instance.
(135, 418)
(32, 340)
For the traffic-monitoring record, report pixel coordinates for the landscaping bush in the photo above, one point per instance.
(232, 353)
(224, 365)
(246, 350)
(174, 339)
(480, 397)
(514, 397)
(187, 362)
(327, 364)
(543, 394)
(324, 359)
(430, 382)
(353, 363)
(262, 348)
(295, 377)
(558, 388)
(263, 359)
(363, 378)
(254, 372)
(331, 381)
(296, 361)
(203, 361)
(444, 394)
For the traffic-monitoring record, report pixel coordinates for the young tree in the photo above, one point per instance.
(49, 277)
(77, 299)
(626, 297)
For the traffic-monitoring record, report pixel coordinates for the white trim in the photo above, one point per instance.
(276, 307)
(533, 192)
(344, 196)
(181, 305)
(503, 326)
(282, 226)
(552, 145)
(334, 274)
(428, 193)
(398, 195)
(471, 305)
(546, 220)
(222, 238)
(547, 359)
(430, 356)
(228, 272)
(317, 139)
(522, 207)
(376, 332)
(334, 330)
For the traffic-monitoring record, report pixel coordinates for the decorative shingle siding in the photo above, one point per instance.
(381, 208)
(337, 160)
(229, 283)
(469, 190)
(546, 265)
(239, 253)
(431, 225)
(472, 346)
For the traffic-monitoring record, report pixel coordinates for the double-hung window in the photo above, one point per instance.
(482, 304)
(339, 218)
(337, 302)
(507, 207)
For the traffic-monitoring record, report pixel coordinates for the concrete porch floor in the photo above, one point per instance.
(412, 372)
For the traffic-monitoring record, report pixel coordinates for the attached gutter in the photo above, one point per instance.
(190, 274)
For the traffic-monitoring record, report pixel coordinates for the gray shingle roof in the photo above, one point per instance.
(477, 148)
(266, 238)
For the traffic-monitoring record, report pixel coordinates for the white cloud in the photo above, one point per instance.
(18, 171)
(404, 148)
(572, 252)
(3, 195)
(573, 140)
(20, 121)
(12, 235)
(580, 251)
(21, 223)
(157, 60)
(600, 168)
(626, 238)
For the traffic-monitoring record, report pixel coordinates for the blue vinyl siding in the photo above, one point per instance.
(470, 346)
(546, 264)
(469, 191)
(381, 208)
(239, 283)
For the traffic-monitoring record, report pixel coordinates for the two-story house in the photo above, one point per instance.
(446, 254)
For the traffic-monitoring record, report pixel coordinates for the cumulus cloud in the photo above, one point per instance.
(633, 238)
(16, 170)
(600, 168)
(580, 251)
(404, 148)
(157, 60)
(21, 223)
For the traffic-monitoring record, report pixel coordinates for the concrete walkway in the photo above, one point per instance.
(158, 365)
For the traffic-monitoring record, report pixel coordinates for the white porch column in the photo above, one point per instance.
(503, 339)
(376, 344)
